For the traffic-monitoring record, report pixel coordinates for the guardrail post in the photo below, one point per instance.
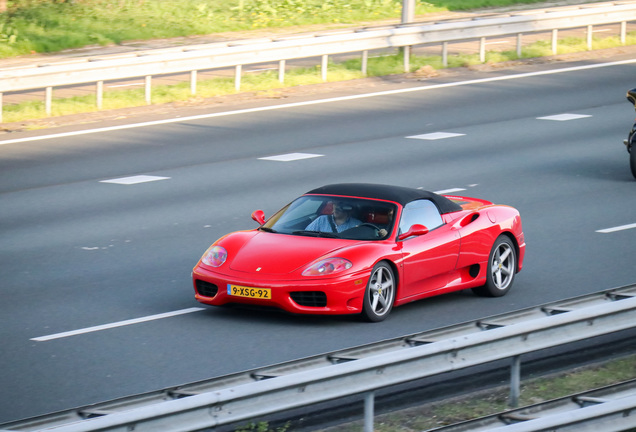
(281, 71)
(48, 97)
(445, 54)
(193, 82)
(482, 50)
(623, 32)
(369, 400)
(519, 36)
(555, 34)
(99, 94)
(365, 62)
(407, 59)
(408, 11)
(237, 77)
(148, 89)
(323, 67)
(1, 105)
(515, 381)
(590, 32)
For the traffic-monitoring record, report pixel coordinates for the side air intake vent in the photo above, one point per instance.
(206, 289)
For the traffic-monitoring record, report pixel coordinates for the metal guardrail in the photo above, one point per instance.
(252, 51)
(360, 370)
(607, 409)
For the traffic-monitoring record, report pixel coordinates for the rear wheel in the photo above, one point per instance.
(379, 294)
(502, 265)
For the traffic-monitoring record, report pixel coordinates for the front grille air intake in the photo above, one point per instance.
(310, 298)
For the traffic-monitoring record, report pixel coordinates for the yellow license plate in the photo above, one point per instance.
(249, 292)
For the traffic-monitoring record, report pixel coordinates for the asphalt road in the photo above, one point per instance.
(78, 252)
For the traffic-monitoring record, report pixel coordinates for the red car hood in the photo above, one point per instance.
(267, 253)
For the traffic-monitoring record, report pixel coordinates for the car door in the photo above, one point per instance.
(428, 259)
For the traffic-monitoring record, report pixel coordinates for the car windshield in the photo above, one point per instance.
(337, 217)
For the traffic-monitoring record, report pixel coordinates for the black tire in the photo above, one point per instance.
(502, 266)
(380, 293)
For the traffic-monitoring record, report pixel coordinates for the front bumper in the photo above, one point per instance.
(326, 296)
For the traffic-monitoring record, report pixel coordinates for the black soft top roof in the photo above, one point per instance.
(399, 194)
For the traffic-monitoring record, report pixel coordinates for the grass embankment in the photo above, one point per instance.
(41, 26)
(37, 26)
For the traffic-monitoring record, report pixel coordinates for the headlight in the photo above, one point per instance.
(328, 266)
(215, 256)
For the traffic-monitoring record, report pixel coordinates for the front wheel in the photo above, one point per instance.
(379, 294)
(502, 266)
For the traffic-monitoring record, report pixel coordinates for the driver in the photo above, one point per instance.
(339, 221)
(384, 231)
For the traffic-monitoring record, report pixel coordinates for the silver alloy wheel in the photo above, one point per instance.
(502, 266)
(381, 291)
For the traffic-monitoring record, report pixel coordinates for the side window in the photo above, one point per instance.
(422, 212)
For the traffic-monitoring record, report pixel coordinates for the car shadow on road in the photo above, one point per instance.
(245, 314)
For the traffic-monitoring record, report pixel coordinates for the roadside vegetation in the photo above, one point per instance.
(46, 26)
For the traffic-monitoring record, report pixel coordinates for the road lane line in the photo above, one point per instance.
(116, 324)
(291, 157)
(135, 179)
(436, 136)
(449, 191)
(564, 117)
(618, 228)
(321, 101)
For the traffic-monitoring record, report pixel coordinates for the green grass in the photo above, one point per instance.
(44, 26)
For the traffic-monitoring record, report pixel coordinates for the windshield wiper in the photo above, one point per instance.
(266, 229)
(316, 233)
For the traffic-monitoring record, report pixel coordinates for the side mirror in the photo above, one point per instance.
(259, 216)
(415, 230)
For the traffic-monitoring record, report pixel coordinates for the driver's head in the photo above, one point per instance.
(342, 208)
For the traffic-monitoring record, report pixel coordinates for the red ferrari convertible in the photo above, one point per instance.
(363, 249)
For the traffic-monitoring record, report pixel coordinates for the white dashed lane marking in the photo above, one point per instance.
(436, 136)
(116, 324)
(564, 117)
(618, 228)
(134, 179)
(291, 157)
(448, 191)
